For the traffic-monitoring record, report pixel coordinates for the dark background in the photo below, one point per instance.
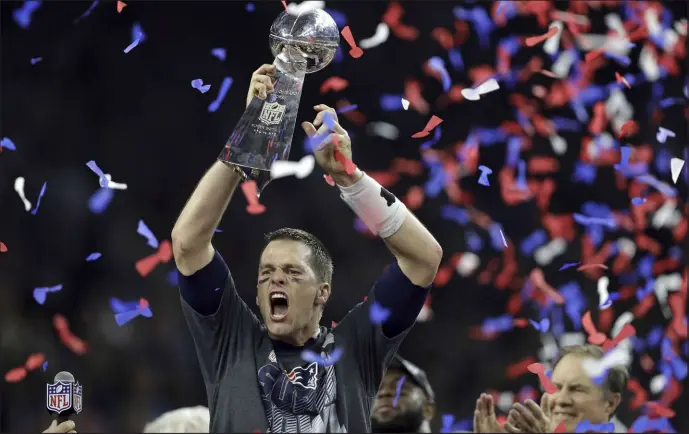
(138, 117)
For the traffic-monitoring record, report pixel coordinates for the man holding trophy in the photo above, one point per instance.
(284, 372)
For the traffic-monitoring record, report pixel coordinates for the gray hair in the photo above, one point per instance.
(182, 420)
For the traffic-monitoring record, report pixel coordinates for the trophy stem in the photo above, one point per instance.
(264, 132)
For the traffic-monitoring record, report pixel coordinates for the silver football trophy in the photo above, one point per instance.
(63, 397)
(301, 43)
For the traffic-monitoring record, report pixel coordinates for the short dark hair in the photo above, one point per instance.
(321, 261)
(617, 376)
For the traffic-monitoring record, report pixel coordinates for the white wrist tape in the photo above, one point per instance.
(379, 209)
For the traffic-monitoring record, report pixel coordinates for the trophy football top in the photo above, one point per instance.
(314, 34)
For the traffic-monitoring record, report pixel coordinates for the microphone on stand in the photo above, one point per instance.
(63, 397)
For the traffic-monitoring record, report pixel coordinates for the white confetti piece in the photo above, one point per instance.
(405, 104)
(300, 169)
(381, 35)
(475, 94)
(559, 144)
(617, 357)
(657, 384)
(111, 184)
(604, 301)
(19, 188)
(383, 129)
(467, 264)
(676, 165)
(551, 44)
(303, 7)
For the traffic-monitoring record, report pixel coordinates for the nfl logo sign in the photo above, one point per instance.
(59, 397)
(76, 398)
(272, 113)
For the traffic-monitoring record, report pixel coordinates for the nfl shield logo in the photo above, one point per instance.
(76, 398)
(59, 397)
(272, 113)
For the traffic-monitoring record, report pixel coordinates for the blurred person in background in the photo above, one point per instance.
(577, 398)
(405, 401)
(187, 419)
(67, 426)
(236, 351)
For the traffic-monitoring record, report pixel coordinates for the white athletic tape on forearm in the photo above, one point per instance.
(379, 209)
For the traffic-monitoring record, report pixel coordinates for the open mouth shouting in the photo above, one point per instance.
(279, 304)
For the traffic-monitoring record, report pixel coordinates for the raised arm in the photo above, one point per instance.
(193, 232)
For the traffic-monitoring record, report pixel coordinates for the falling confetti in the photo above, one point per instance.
(354, 51)
(19, 188)
(300, 169)
(224, 87)
(120, 5)
(432, 123)
(7, 144)
(40, 294)
(381, 35)
(254, 207)
(138, 36)
(378, 313)
(198, 84)
(327, 360)
(3, 247)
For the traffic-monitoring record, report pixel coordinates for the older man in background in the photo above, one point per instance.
(405, 400)
(576, 400)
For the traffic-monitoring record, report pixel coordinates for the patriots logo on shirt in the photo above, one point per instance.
(304, 376)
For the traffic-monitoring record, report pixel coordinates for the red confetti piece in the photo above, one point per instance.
(146, 265)
(534, 40)
(640, 394)
(432, 123)
(77, 345)
(671, 392)
(548, 73)
(620, 79)
(627, 331)
(539, 369)
(120, 5)
(560, 427)
(588, 266)
(355, 51)
(595, 337)
(284, 4)
(329, 179)
(335, 84)
(444, 37)
(678, 306)
(627, 129)
(34, 361)
(656, 410)
(539, 280)
(333, 324)
(253, 207)
(521, 367)
(348, 165)
(15, 375)
(3, 247)
(414, 197)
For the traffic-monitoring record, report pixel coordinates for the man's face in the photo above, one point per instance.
(409, 411)
(289, 294)
(577, 398)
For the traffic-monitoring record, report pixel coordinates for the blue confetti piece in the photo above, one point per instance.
(218, 230)
(437, 131)
(437, 64)
(456, 60)
(400, 382)
(138, 36)
(436, 181)
(496, 237)
(586, 426)
(658, 185)
(585, 173)
(250, 7)
(514, 146)
(143, 230)
(566, 124)
(667, 102)
(474, 241)
(378, 313)
(521, 176)
(569, 265)
(638, 200)
(35, 60)
(95, 169)
(483, 178)
(662, 161)
(173, 277)
(348, 108)
(99, 201)
(124, 317)
(198, 84)
(22, 15)
(224, 87)
(542, 326)
(337, 16)
(458, 215)
(7, 144)
(391, 102)
(448, 420)
(45, 366)
(328, 360)
(87, 12)
(622, 60)
(93, 257)
(40, 294)
(497, 324)
(217, 289)
(594, 221)
(220, 53)
(119, 306)
(534, 240)
(40, 196)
